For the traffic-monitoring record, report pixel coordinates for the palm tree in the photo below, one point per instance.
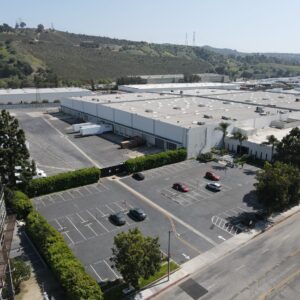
(273, 141)
(240, 137)
(223, 128)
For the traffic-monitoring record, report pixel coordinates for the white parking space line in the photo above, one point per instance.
(104, 186)
(100, 191)
(102, 214)
(109, 208)
(79, 191)
(110, 268)
(117, 204)
(59, 225)
(87, 190)
(66, 233)
(80, 217)
(76, 227)
(89, 226)
(97, 221)
(239, 267)
(97, 274)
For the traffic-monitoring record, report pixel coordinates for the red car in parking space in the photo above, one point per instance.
(212, 176)
(180, 187)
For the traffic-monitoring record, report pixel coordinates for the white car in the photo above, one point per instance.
(40, 174)
(214, 186)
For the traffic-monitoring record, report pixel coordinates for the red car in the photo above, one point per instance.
(212, 176)
(180, 187)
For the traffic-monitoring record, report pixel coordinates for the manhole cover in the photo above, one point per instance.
(193, 289)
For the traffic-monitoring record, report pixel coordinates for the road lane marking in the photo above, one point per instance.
(166, 213)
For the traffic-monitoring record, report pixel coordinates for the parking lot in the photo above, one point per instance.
(196, 218)
(56, 149)
(81, 215)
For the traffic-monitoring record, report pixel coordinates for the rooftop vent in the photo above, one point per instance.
(280, 97)
(297, 100)
(225, 102)
(139, 96)
(201, 105)
(177, 107)
(149, 110)
(117, 97)
(207, 116)
(225, 118)
(200, 123)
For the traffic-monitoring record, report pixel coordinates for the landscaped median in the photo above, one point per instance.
(151, 161)
(116, 291)
(62, 181)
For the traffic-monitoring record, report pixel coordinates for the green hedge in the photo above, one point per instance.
(21, 205)
(155, 160)
(62, 181)
(77, 284)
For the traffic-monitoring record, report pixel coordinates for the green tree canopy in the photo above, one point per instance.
(136, 256)
(240, 137)
(288, 150)
(20, 272)
(271, 140)
(15, 164)
(278, 186)
(223, 128)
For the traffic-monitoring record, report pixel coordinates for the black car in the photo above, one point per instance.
(138, 176)
(118, 218)
(137, 214)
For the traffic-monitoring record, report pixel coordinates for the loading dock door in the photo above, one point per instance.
(159, 143)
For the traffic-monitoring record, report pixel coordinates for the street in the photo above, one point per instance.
(268, 267)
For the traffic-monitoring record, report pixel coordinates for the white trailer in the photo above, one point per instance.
(76, 127)
(95, 129)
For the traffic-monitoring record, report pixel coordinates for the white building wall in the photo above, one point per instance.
(105, 112)
(170, 131)
(90, 108)
(142, 123)
(123, 117)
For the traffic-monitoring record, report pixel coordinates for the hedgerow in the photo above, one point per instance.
(155, 160)
(62, 181)
(77, 284)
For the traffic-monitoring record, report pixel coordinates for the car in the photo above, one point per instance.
(40, 174)
(138, 176)
(129, 290)
(180, 187)
(137, 214)
(118, 218)
(212, 176)
(230, 164)
(216, 187)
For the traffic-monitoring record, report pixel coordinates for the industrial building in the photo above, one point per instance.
(14, 96)
(172, 120)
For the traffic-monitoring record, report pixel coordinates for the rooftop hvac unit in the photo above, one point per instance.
(200, 123)
(201, 105)
(177, 107)
(207, 117)
(148, 110)
(225, 118)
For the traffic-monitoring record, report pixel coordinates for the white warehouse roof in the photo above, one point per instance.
(26, 91)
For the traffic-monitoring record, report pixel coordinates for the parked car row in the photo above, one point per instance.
(136, 214)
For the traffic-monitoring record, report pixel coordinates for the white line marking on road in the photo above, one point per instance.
(96, 273)
(97, 221)
(89, 226)
(117, 204)
(107, 188)
(76, 227)
(116, 275)
(74, 145)
(265, 251)
(59, 225)
(166, 213)
(185, 256)
(239, 267)
(211, 286)
(81, 218)
(110, 209)
(66, 233)
(51, 167)
(101, 212)
(221, 238)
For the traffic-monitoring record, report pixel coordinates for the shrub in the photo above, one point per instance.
(68, 269)
(62, 181)
(21, 205)
(206, 157)
(155, 160)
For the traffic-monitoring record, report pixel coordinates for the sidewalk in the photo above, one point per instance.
(211, 256)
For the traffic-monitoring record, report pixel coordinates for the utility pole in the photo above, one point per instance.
(169, 253)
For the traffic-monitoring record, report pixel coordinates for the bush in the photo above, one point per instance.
(155, 160)
(62, 181)
(21, 205)
(68, 269)
(206, 157)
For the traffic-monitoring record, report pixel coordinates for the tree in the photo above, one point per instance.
(40, 28)
(14, 155)
(240, 137)
(223, 128)
(273, 141)
(278, 186)
(20, 272)
(22, 25)
(289, 148)
(135, 256)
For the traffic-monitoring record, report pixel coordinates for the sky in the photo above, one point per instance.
(248, 26)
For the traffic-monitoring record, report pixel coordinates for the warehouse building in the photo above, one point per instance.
(171, 121)
(14, 96)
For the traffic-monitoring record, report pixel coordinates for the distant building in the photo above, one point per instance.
(213, 77)
(169, 78)
(28, 95)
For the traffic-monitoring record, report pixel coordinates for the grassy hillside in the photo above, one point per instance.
(56, 57)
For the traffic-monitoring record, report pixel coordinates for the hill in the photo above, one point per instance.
(31, 57)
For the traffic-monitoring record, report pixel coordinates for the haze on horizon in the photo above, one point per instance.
(252, 26)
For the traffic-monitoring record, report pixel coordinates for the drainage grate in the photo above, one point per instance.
(193, 289)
